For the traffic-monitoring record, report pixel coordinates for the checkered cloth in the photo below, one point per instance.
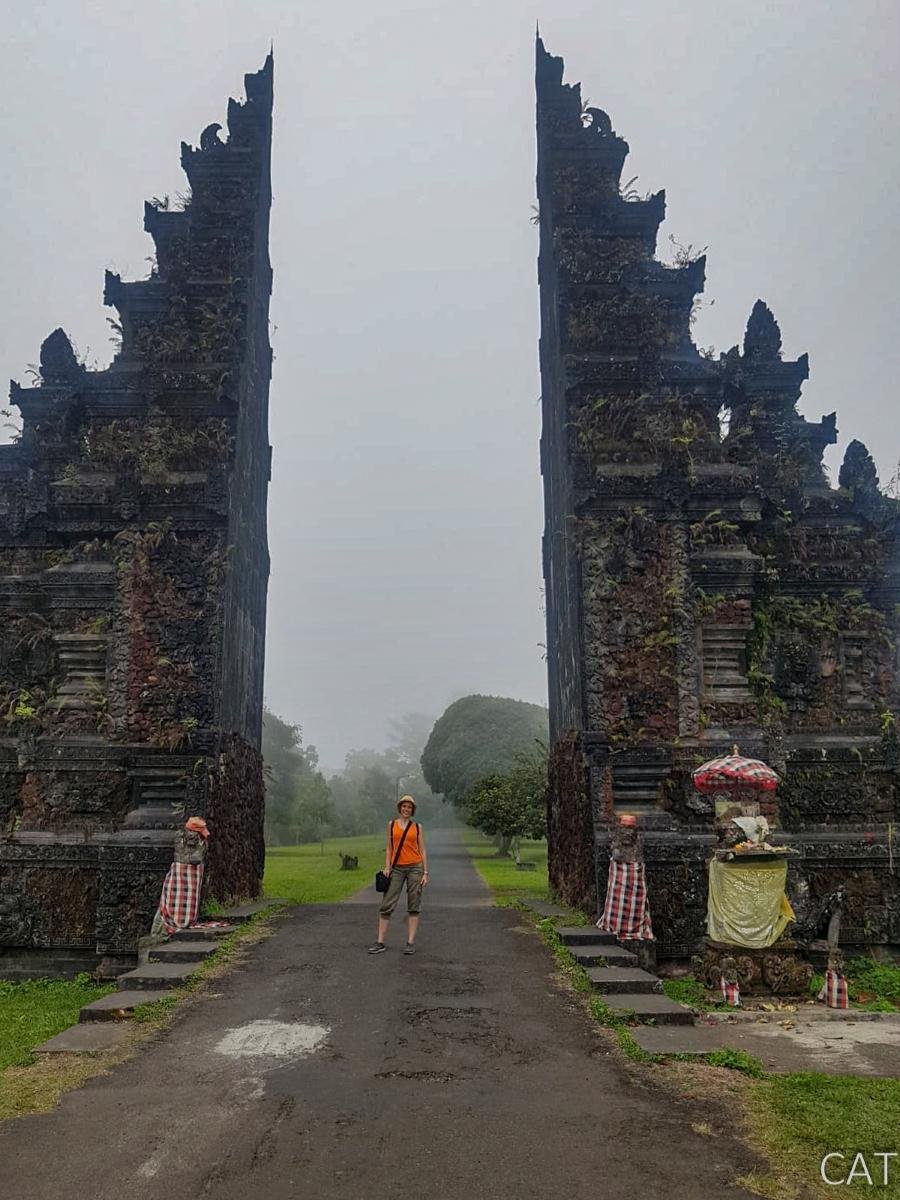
(731, 992)
(626, 912)
(179, 904)
(834, 993)
(722, 774)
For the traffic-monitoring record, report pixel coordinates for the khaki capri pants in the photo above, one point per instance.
(411, 876)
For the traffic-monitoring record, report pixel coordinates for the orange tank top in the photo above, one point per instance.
(411, 853)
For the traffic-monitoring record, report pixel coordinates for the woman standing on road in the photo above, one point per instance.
(405, 862)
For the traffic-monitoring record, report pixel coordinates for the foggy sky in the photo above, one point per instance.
(405, 509)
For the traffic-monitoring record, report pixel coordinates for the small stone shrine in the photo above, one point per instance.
(133, 576)
(704, 582)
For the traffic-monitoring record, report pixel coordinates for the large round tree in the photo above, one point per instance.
(479, 736)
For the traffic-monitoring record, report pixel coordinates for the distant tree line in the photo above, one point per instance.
(303, 806)
(483, 761)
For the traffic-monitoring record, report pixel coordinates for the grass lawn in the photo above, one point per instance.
(798, 1119)
(312, 874)
(501, 875)
(34, 1011)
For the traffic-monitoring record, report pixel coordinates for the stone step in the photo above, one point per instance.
(613, 980)
(649, 1009)
(243, 912)
(118, 1005)
(595, 956)
(196, 934)
(155, 975)
(183, 951)
(89, 1037)
(585, 935)
(681, 1039)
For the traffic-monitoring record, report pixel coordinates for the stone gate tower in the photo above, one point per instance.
(704, 583)
(133, 576)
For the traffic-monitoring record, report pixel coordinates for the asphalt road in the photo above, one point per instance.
(317, 1070)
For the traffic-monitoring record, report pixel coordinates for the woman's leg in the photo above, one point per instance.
(413, 903)
(389, 903)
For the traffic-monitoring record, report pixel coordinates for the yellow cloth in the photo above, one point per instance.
(747, 905)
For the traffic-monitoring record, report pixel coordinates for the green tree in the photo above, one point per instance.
(314, 808)
(512, 806)
(377, 788)
(479, 736)
(298, 801)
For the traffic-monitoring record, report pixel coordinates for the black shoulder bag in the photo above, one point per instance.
(382, 881)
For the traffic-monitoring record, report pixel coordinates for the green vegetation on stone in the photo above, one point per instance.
(35, 1010)
(312, 874)
(690, 991)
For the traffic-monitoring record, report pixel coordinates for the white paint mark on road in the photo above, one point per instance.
(272, 1039)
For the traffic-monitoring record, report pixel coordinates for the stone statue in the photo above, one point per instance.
(626, 912)
(179, 903)
(729, 981)
(626, 841)
(728, 834)
(834, 989)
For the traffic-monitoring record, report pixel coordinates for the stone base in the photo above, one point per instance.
(113, 965)
(18, 964)
(644, 951)
(778, 969)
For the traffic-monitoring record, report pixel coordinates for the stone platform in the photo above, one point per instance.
(820, 1041)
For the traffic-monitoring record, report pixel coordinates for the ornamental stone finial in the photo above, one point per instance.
(58, 363)
(762, 340)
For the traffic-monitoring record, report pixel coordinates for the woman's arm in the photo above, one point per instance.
(387, 849)
(424, 853)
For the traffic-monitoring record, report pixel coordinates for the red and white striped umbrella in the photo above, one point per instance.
(733, 772)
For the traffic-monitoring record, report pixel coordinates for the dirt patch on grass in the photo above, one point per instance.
(38, 1087)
